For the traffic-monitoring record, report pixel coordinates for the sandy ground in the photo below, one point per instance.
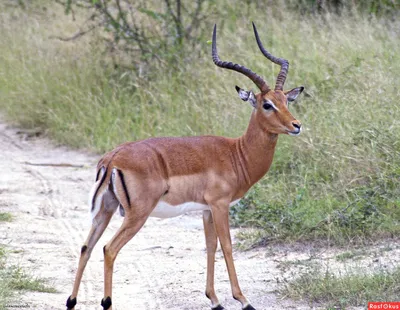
(163, 267)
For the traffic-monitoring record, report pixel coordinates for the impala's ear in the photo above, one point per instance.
(246, 96)
(293, 93)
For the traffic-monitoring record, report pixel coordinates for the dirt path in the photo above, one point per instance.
(163, 267)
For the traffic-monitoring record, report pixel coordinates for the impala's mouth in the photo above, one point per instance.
(294, 132)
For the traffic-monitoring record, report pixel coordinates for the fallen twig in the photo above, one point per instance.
(77, 35)
(53, 164)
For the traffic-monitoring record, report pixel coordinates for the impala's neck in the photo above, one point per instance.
(255, 151)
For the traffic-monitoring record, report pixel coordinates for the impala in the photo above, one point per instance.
(166, 177)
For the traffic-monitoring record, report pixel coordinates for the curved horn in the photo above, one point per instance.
(238, 68)
(280, 80)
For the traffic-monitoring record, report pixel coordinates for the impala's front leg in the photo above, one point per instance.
(211, 244)
(220, 214)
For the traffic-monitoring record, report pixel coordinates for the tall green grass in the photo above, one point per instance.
(339, 180)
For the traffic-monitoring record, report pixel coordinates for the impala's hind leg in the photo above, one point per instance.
(138, 198)
(100, 222)
(126, 232)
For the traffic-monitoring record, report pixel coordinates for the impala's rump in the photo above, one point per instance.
(106, 185)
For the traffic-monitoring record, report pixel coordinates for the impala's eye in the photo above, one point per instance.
(267, 106)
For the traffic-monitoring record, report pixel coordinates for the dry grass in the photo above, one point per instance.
(339, 180)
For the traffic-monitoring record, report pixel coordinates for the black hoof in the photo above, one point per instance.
(70, 303)
(249, 307)
(219, 307)
(106, 303)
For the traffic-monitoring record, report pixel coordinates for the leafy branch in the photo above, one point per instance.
(141, 33)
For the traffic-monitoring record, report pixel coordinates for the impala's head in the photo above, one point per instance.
(271, 106)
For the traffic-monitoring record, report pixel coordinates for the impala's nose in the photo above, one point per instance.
(297, 128)
(296, 125)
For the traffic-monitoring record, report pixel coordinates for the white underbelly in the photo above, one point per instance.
(165, 210)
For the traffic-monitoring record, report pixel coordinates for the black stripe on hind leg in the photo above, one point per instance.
(249, 307)
(219, 307)
(121, 177)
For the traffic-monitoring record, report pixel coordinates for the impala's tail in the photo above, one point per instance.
(104, 190)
